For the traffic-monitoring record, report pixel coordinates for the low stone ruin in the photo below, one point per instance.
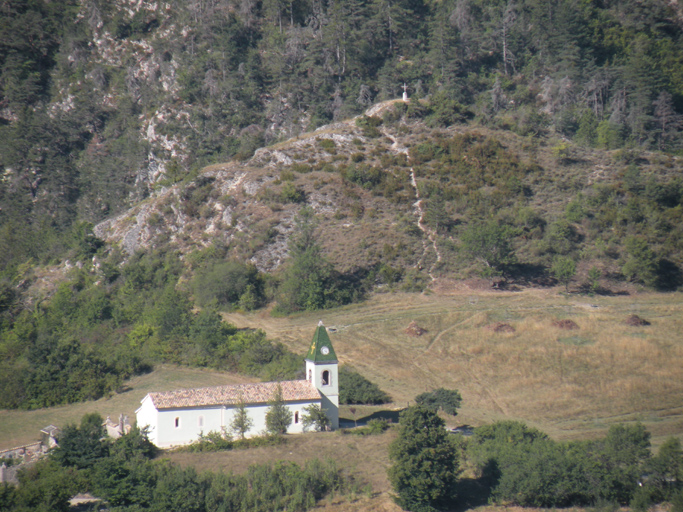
(415, 330)
(566, 325)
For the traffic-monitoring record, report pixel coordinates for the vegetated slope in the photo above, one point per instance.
(395, 193)
(101, 103)
(250, 206)
(399, 204)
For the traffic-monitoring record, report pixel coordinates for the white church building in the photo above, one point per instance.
(175, 418)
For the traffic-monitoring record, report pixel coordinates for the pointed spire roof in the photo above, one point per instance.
(321, 350)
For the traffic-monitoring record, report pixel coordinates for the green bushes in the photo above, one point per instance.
(445, 111)
(292, 194)
(88, 338)
(446, 400)
(328, 145)
(370, 125)
(526, 468)
(219, 441)
(123, 474)
(375, 426)
(229, 283)
(356, 389)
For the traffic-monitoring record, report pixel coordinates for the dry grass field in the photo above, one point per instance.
(572, 384)
(22, 427)
(569, 383)
(364, 457)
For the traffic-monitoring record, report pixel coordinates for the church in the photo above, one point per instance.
(176, 418)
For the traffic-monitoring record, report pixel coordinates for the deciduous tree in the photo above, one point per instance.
(316, 417)
(489, 243)
(564, 269)
(241, 422)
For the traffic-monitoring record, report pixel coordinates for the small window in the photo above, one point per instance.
(200, 421)
(310, 375)
(296, 417)
(177, 423)
(326, 378)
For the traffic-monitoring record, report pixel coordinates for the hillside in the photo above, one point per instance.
(401, 194)
(187, 187)
(250, 206)
(105, 104)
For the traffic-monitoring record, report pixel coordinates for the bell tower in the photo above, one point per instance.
(322, 371)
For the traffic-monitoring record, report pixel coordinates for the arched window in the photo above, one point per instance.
(296, 417)
(326, 378)
(200, 421)
(310, 375)
(177, 423)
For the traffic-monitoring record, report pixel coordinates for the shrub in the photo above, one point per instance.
(356, 389)
(369, 126)
(446, 400)
(211, 442)
(414, 281)
(226, 283)
(642, 264)
(292, 194)
(446, 111)
(328, 145)
(375, 426)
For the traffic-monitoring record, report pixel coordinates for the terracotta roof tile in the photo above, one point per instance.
(258, 393)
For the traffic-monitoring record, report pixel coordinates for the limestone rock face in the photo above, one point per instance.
(250, 206)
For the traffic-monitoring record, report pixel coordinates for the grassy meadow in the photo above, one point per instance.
(572, 384)
(21, 427)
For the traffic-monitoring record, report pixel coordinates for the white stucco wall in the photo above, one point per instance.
(329, 391)
(164, 433)
(147, 416)
(188, 424)
(331, 406)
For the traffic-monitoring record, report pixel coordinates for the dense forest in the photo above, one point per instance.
(103, 101)
(103, 104)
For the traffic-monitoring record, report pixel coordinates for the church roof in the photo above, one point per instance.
(321, 350)
(259, 393)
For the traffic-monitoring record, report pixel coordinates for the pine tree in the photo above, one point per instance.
(668, 121)
(278, 417)
(425, 461)
(306, 278)
(445, 52)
